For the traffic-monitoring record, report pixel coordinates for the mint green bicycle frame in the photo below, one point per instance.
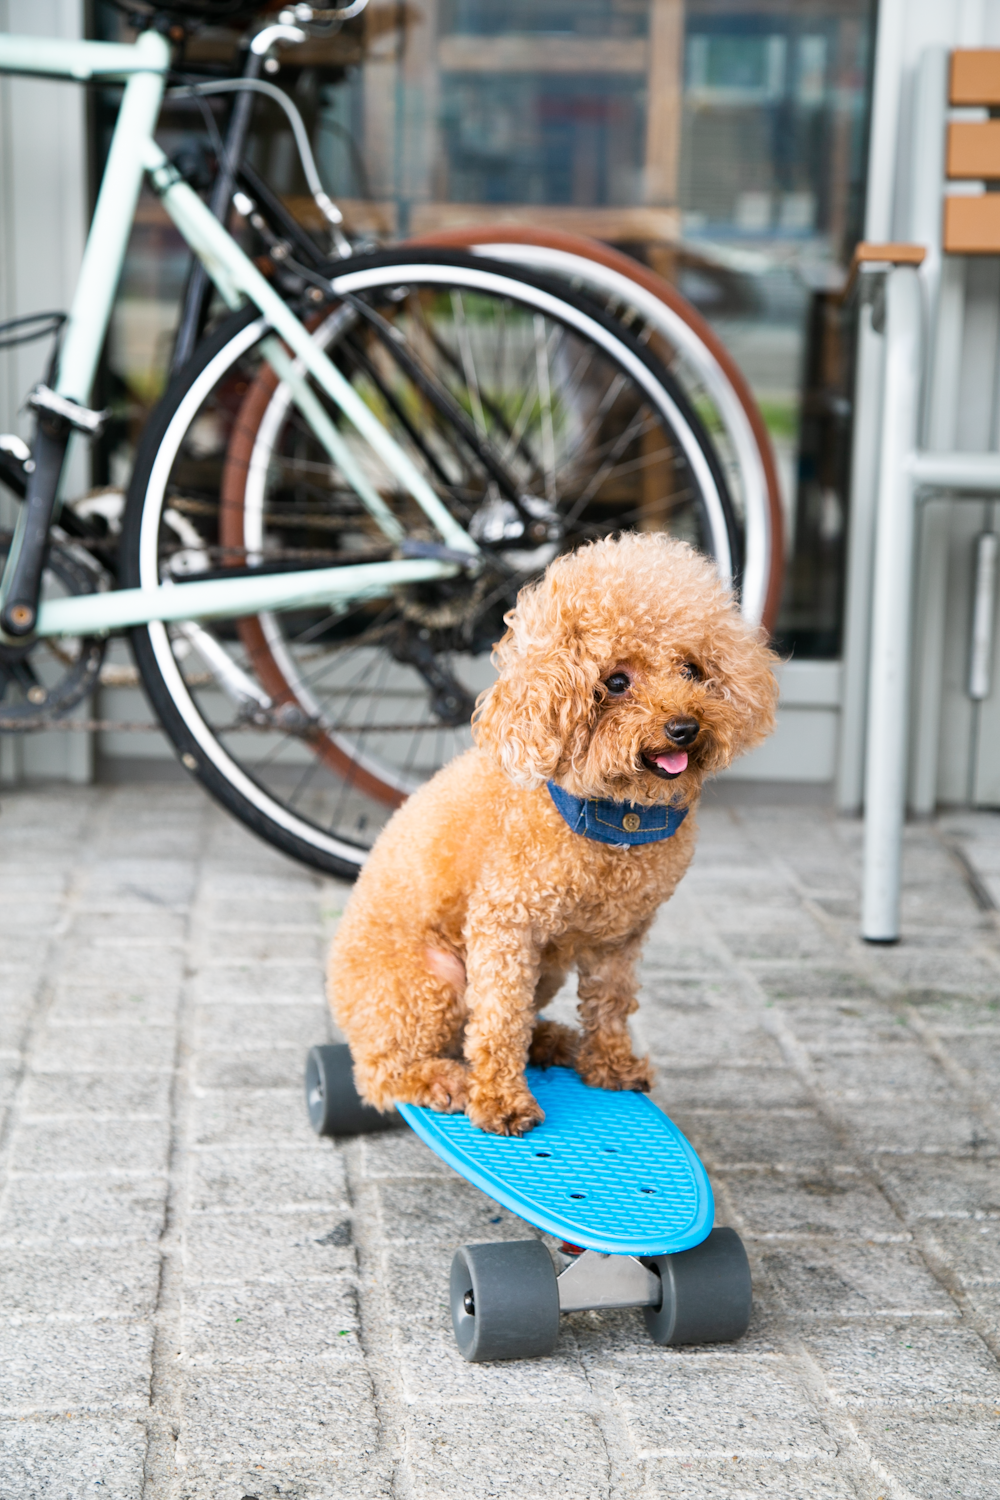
(142, 66)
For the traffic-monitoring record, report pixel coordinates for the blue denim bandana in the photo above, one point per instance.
(616, 822)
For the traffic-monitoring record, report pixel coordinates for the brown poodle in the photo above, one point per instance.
(625, 678)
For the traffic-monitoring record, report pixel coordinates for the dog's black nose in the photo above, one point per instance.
(682, 731)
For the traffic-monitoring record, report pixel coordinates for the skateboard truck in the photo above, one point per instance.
(594, 1281)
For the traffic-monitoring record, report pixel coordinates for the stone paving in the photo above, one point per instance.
(200, 1301)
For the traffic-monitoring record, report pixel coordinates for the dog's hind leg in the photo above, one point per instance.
(403, 1020)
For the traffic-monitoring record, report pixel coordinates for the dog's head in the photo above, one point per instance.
(626, 672)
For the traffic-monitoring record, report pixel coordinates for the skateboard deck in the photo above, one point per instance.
(605, 1170)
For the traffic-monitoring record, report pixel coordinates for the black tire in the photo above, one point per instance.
(318, 769)
(334, 1104)
(707, 1293)
(504, 1301)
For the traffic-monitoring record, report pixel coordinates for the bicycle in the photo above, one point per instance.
(339, 495)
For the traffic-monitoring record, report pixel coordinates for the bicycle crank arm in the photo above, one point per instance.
(22, 577)
(232, 598)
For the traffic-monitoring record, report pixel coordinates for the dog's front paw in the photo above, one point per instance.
(553, 1045)
(604, 1067)
(504, 1111)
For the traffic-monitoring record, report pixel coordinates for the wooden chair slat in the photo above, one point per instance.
(972, 225)
(975, 76)
(973, 149)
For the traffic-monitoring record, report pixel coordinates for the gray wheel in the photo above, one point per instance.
(334, 1104)
(504, 1301)
(707, 1294)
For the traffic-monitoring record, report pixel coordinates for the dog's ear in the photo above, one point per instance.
(541, 709)
(742, 680)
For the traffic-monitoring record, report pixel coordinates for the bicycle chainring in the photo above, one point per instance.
(43, 679)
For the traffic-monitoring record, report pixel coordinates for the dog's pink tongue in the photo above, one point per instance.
(673, 761)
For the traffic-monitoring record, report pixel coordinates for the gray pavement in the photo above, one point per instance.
(199, 1301)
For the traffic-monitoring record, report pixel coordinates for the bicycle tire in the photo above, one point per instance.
(573, 257)
(217, 388)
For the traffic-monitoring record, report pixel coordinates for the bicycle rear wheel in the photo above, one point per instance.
(695, 356)
(312, 725)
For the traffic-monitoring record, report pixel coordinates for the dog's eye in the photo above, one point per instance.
(618, 683)
(691, 671)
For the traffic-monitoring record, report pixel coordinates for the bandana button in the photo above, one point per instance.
(631, 822)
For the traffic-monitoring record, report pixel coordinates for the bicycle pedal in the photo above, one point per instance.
(79, 417)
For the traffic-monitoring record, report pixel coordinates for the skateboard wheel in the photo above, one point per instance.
(707, 1294)
(504, 1301)
(334, 1104)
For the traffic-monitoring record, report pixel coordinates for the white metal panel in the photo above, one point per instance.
(43, 224)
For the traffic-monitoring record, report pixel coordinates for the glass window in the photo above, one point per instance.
(721, 141)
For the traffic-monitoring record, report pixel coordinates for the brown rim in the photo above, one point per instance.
(232, 534)
(615, 260)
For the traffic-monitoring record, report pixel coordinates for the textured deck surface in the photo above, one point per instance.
(201, 1301)
(606, 1171)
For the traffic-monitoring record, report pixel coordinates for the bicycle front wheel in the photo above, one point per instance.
(311, 725)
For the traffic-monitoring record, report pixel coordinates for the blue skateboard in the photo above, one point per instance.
(606, 1173)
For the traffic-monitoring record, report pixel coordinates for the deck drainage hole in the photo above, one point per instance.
(578, 1195)
(647, 1190)
(543, 1153)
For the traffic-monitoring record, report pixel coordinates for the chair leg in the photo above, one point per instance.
(888, 705)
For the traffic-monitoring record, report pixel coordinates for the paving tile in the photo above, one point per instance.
(451, 1212)
(821, 1203)
(906, 1124)
(431, 1371)
(797, 982)
(287, 1248)
(15, 1013)
(896, 1365)
(737, 1478)
(287, 1478)
(65, 1367)
(703, 1037)
(268, 1068)
(76, 1005)
(75, 1283)
(970, 1247)
(254, 913)
(140, 925)
(265, 1179)
(854, 1281)
(65, 1148)
(46, 1096)
(231, 1028)
(918, 969)
(771, 1138)
(398, 1153)
(738, 1088)
(43, 1460)
(37, 1210)
(257, 1323)
(886, 1073)
(96, 1049)
(939, 1187)
(248, 1117)
(161, 882)
(711, 1406)
(225, 946)
(257, 1414)
(933, 1457)
(454, 1453)
(153, 972)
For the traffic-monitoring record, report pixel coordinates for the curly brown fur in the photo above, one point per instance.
(477, 898)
